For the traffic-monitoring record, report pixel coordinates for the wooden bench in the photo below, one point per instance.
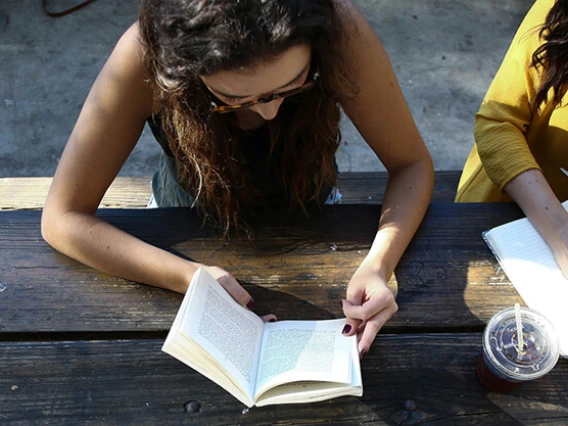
(25, 193)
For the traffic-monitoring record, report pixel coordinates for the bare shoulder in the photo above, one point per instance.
(109, 125)
(359, 35)
(379, 111)
(353, 22)
(362, 48)
(365, 57)
(129, 48)
(125, 72)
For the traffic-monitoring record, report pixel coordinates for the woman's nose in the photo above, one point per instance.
(268, 110)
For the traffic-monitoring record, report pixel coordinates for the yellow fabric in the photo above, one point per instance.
(511, 139)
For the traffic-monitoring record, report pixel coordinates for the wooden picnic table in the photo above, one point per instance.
(81, 347)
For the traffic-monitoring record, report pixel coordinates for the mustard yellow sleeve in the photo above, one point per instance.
(506, 111)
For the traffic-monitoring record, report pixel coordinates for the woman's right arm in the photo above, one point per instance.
(533, 194)
(500, 127)
(108, 128)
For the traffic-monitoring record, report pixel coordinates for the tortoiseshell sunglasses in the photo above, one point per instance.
(222, 109)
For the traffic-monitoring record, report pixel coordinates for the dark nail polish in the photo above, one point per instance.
(271, 320)
(363, 352)
(251, 305)
(346, 329)
(341, 304)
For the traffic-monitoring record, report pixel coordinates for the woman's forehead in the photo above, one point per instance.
(264, 76)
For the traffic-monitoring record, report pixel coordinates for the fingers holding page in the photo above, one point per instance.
(238, 293)
(232, 286)
(369, 305)
(368, 330)
(269, 318)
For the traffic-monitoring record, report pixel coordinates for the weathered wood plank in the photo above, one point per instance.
(132, 382)
(29, 193)
(300, 267)
(369, 187)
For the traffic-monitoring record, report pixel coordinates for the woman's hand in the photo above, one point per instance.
(233, 287)
(369, 305)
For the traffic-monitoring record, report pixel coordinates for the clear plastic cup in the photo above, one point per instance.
(502, 366)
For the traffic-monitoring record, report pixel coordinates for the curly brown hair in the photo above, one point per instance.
(552, 55)
(184, 39)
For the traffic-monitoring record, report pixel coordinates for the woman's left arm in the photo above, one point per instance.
(380, 112)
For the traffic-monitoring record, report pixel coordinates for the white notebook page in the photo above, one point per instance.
(529, 264)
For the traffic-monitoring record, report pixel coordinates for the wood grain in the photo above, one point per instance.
(294, 267)
(81, 347)
(29, 193)
(133, 382)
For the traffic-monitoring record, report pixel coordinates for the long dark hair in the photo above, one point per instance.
(184, 39)
(552, 55)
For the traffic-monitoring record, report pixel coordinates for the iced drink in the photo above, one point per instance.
(503, 365)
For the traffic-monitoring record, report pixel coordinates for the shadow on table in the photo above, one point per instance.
(446, 280)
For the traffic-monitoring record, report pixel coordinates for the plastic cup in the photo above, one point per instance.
(502, 366)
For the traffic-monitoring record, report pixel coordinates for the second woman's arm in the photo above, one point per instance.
(533, 194)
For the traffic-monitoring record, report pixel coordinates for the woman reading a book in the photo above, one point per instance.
(244, 98)
(521, 129)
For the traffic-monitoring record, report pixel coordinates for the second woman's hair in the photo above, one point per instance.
(552, 55)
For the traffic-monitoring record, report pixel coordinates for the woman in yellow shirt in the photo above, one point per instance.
(521, 128)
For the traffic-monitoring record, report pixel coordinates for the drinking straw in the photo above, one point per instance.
(521, 341)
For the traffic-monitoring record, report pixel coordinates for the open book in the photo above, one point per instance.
(261, 363)
(530, 265)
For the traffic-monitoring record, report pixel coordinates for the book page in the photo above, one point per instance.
(305, 391)
(229, 332)
(530, 265)
(304, 351)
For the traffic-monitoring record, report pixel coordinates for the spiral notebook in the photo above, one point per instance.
(530, 266)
